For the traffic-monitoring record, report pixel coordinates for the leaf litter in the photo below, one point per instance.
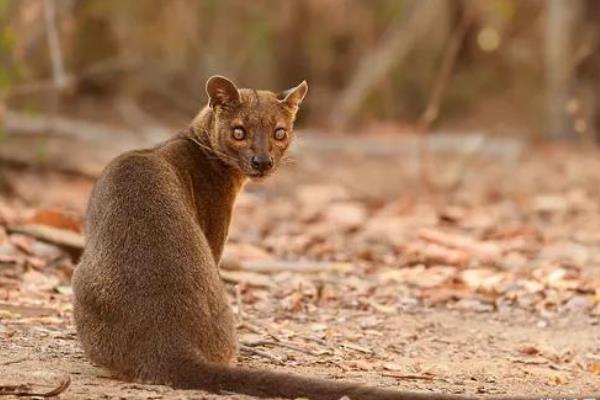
(326, 280)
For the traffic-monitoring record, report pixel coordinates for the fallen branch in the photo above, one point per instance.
(355, 347)
(25, 390)
(17, 121)
(432, 110)
(15, 361)
(69, 240)
(248, 278)
(276, 266)
(262, 353)
(94, 146)
(407, 376)
(253, 327)
(485, 251)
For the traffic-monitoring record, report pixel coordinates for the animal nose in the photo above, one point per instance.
(262, 162)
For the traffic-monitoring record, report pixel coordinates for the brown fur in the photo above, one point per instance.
(149, 304)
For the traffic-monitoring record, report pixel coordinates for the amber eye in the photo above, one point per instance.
(280, 134)
(238, 133)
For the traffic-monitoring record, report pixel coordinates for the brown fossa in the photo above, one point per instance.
(149, 304)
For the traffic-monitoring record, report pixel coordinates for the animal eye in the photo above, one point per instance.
(280, 134)
(238, 133)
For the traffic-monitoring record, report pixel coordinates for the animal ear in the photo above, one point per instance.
(221, 92)
(294, 96)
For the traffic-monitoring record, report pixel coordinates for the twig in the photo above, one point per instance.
(262, 353)
(407, 376)
(238, 302)
(316, 340)
(382, 308)
(249, 278)
(258, 328)
(56, 56)
(286, 345)
(15, 361)
(71, 242)
(276, 266)
(24, 390)
(253, 328)
(356, 347)
(433, 105)
(441, 82)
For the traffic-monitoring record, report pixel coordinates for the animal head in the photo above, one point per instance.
(252, 129)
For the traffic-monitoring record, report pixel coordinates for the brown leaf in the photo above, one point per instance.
(431, 253)
(245, 252)
(345, 215)
(485, 251)
(22, 242)
(250, 278)
(293, 302)
(556, 379)
(362, 365)
(529, 350)
(390, 366)
(34, 281)
(56, 219)
(61, 237)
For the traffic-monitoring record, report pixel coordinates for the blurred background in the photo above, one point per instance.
(84, 80)
(506, 66)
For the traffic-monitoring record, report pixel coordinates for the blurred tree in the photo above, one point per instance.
(563, 17)
(365, 60)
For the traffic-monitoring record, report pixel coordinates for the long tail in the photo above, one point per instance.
(261, 383)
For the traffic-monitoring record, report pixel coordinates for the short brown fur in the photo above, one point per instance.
(149, 304)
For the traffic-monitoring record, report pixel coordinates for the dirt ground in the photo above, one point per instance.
(348, 266)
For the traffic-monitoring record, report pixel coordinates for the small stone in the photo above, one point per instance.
(7, 249)
(577, 304)
(542, 324)
(45, 250)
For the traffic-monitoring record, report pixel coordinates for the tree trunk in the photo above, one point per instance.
(562, 19)
(394, 49)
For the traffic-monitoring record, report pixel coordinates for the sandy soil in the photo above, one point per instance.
(489, 286)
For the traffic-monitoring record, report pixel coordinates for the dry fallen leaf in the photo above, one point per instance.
(361, 365)
(56, 219)
(390, 366)
(345, 215)
(529, 350)
(486, 251)
(556, 379)
(35, 282)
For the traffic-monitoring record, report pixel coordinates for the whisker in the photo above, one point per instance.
(211, 150)
(287, 160)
